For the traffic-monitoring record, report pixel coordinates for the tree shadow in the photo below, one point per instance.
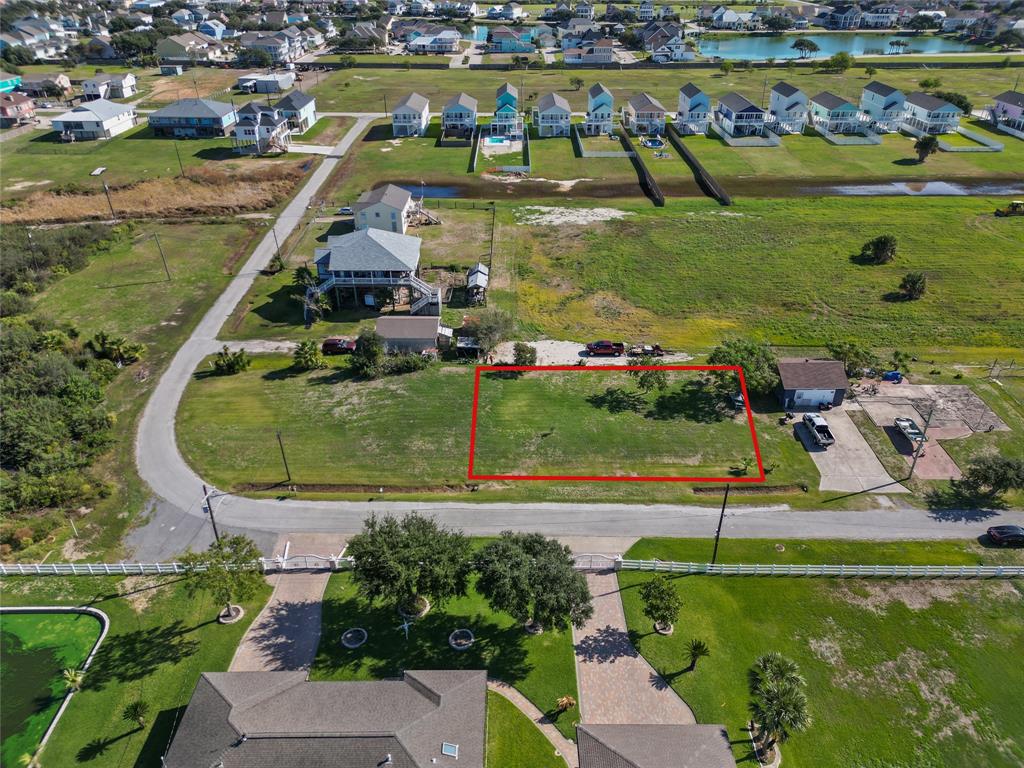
(692, 401)
(606, 646)
(895, 297)
(905, 161)
(378, 133)
(136, 655)
(97, 747)
(283, 374)
(618, 400)
(336, 376)
(960, 503)
(217, 153)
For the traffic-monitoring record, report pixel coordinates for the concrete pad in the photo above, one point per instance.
(849, 464)
(598, 545)
(883, 412)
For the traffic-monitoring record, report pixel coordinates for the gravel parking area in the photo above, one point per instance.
(552, 352)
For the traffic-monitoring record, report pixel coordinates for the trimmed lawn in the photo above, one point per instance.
(899, 672)
(36, 648)
(541, 666)
(326, 131)
(776, 269)
(595, 422)
(159, 642)
(513, 741)
(227, 425)
(553, 158)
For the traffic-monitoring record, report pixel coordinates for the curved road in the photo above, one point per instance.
(179, 516)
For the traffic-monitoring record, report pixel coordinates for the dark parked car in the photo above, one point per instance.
(604, 347)
(1007, 535)
(338, 346)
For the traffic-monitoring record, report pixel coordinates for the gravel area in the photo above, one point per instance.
(553, 352)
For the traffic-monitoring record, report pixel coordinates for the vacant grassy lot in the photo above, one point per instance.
(595, 422)
(159, 642)
(553, 158)
(541, 666)
(899, 673)
(227, 425)
(782, 270)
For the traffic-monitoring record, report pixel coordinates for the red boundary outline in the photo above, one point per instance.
(611, 479)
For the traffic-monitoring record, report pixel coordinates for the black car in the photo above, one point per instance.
(1007, 535)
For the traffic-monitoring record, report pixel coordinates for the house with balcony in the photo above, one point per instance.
(507, 121)
(926, 114)
(643, 115)
(358, 263)
(188, 46)
(787, 108)
(506, 40)
(843, 17)
(194, 118)
(261, 129)
(738, 116)
(387, 207)
(552, 115)
(1008, 110)
(445, 41)
(879, 18)
(693, 111)
(459, 115)
(600, 118)
(597, 52)
(585, 11)
(106, 86)
(833, 114)
(99, 119)
(53, 84)
(299, 109)
(883, 106)
(410, 116)
(645, 11)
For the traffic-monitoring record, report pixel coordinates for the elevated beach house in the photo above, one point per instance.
(508, 121)
(600, 111)
(883, 106)
(736, 115)
(98, 119)
(387, 207)
(643, 115)
(459, 114)
(787, 108)
(551, 116)
(925, 113)
(834, 114)
(410, 116)
(694, 110)
(191, 118)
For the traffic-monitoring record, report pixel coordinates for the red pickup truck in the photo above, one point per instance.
(615, 348)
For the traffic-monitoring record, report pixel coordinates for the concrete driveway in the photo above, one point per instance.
(933, 463)
(849, 464)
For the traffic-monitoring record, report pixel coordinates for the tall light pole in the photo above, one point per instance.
(721, 518)
(208, 509)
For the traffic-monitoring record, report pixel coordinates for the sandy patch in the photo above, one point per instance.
(386, 149)
(555, 352)
(546, 215)
(877, 596)
(360, 77)
(139, 591)
(563, 185)
(26, 185)
(395, 142)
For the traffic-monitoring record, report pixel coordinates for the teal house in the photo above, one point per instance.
(9, 82)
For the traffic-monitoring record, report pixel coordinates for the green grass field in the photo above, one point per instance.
(541, 666)
(36, 648)
(899, 673)
(513, 741)
(777, 269)
(159, 642)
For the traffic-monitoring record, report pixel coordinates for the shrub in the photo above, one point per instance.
(523, 354)
(913, 285)
(879, 250)
(308, 356)
(228, 363)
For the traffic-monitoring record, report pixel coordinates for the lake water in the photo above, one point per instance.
(915, 188)
(757, 47)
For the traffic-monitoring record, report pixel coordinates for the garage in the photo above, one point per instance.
(808, 384)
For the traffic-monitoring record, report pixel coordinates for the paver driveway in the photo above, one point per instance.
(616, 683)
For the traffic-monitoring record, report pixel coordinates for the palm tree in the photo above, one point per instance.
(779, 709)
(925, 147)
(565, 703)
(914, 285)
(697, 649)
(773, 668)
(135, 712)
(73, 679)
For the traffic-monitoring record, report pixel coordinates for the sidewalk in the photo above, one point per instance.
(562, 745)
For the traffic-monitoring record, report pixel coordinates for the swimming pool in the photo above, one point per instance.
(653, 143)
(497, 140)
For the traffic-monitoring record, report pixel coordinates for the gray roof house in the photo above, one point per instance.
(410, 115)
(807, 383)
(459, 114)
(426, 719)
(385, 207)
(193, 117)
(654, 746)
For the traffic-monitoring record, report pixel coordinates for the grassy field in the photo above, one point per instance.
(898, 673)
(693, 273)
(541, 666)
(159, 642)
(227, 427)
(36, 647)
(595, 422)
(513, 741)
(591, 177)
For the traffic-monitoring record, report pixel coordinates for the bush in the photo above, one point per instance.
(399, 364)
(523, 354)
(368, 357)
(228, 363)
(879, 250)
(308, 356)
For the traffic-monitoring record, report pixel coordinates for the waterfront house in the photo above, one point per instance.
(843, 17)
(883, 106)
(459, 114)
(738, 116)
(927, 114)
(387, 207)
(507, 119)
(643, 115)
(410, 116)
(787, 106)
(600, 111)
(694, 110)
(834, 114)
(551, 116)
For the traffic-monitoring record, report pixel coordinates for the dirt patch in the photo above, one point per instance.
(17, 186)
(746, 490)
(139, 591)
(204, 192)
(547, 215)
(204, 82)
(877, 596)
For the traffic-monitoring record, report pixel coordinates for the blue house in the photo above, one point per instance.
(694, 110)
(600, 111)
(505, 40)
(213, 27)
(193, 118)
(9, 82)
(507, 119)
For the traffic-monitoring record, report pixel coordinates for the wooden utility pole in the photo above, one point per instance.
(721, 518)
(284, 458)
(208, 508)
(163, 258)
(920, 445)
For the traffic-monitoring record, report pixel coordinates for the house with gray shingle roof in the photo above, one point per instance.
(787, 108)
(600, 111)
(300, 110)
(425, 719)
(459, 114)
(883, 106)
(694, 110)
(834, 114)
(192, 118)
(643, 115)
(925, 113)
(653, 746)
(739, 116)
(387, 207)
(1008, 110)
(410, 116)
(507, 119)
(98, 119)
(551, 116)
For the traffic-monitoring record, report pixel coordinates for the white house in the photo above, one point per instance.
(387, 207)
(261, 129)
(883, 105)
(787, 106)
(410, 116)
(643, 115)
(600, 111)
(459, 114)
(299, 109)
(551, 116)
(694, 110)
(445, 41)
(645, 12)
(105, 86)
(98, 119)
(928, 114)
(585, 11)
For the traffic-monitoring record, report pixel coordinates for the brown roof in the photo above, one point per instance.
(803, 373)
(408, 327)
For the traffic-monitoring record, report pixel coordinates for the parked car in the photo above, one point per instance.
(819, 429)
(345, 211)
(1007, 535)
(604, 347)
(646, 350)
(910, 430)
(338, 346)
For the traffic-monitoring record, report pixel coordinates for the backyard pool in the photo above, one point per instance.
(35, 648)
(653, 143)
(497, 140)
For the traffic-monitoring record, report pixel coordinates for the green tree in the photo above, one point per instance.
(805, 47)
(726, 67)
(922, 21)
(696, 650)
(523, 354)
(913, 285)
(661, 602)
(778, 23)
(308, 356)
(368, 358)
(870, 71)
(228, 570)
(956, 99)
(649, 380)
(925, 147)
(408, 560)
(73, 678)
(993, 474)
(491, 327)
(854, 356)
(773, 667)
(228, 363)
(879, 250)
(840, 62)
(255, 57)
(533, 579)
(780, 709)
(136, 712)
(117, 349)
(929, 83)
(760, 368)
(576, 83)
(900, 361)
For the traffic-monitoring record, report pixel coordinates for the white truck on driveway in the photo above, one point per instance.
(818, 429)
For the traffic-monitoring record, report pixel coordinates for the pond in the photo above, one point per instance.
(915, 188)
(758, 47)
(35, 648)
(429, 190)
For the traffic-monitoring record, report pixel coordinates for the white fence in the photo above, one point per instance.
(265, 564)
(842, 571)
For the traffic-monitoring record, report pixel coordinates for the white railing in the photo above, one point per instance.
(265, 564)
(842, 571)
(765, 139)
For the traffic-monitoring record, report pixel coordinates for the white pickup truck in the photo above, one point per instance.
(818, 428)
